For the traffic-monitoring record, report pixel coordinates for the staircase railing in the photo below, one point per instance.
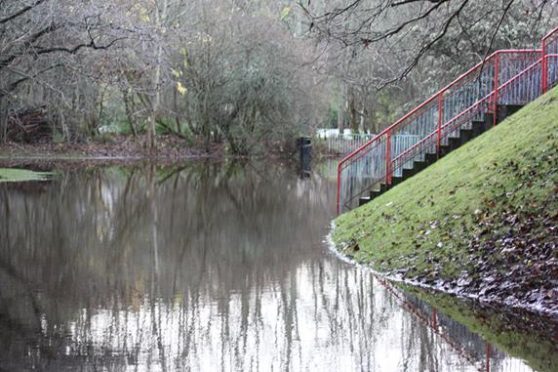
(510, 77)
(550, 60)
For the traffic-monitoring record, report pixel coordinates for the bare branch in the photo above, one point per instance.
(21, 11)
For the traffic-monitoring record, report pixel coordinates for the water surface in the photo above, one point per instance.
(205, 267)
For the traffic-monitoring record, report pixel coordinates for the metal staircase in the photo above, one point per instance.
(470, 105)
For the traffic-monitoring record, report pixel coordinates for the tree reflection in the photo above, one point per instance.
(194, 268)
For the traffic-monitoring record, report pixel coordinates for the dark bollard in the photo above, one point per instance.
(304, 145)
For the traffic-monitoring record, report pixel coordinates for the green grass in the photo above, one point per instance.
(498, 328)
(425, 224)
(22, 175)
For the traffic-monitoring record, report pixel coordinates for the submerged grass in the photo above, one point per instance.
(517, 334)
(424, 226)
(22, 175)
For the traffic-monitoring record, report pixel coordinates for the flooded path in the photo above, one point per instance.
(204, 268)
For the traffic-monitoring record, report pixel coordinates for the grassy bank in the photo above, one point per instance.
(22, 175)
(483, 218)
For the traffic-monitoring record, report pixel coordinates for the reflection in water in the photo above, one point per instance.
(205, 268)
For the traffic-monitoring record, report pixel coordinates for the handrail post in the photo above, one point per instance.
(488, 354)
(434, 319)
(496, 88)
(544, 66)
(388, 158)
(339, 180)
(440, 121)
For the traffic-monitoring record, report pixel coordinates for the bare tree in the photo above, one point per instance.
(45, 46)
(388, 55)
(416, 27)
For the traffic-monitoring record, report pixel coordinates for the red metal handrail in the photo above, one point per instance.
(435, 96)
(518, 76)
(469, 110)
(415, 122)
(455, 119)
(548, 39)
(438, 97)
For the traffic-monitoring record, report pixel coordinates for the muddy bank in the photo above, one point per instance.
(512, 296)
(117, 147)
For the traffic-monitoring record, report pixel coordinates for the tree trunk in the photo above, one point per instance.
(128, 109)
(341, 121)
(175, 106)
(160, 17)
(352, 110)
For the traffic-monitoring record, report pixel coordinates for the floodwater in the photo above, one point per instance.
(208, 267)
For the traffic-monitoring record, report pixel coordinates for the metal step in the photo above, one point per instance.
(476, 128)
(430, 158)
(444, 150)
(397, 180)
(467, 135)
(376, 193)
(450, 143)
(421, 165)
(455, 142)
(409, 172)
(505, 111)
(479, 127)
(364, 200)
(489, 120)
